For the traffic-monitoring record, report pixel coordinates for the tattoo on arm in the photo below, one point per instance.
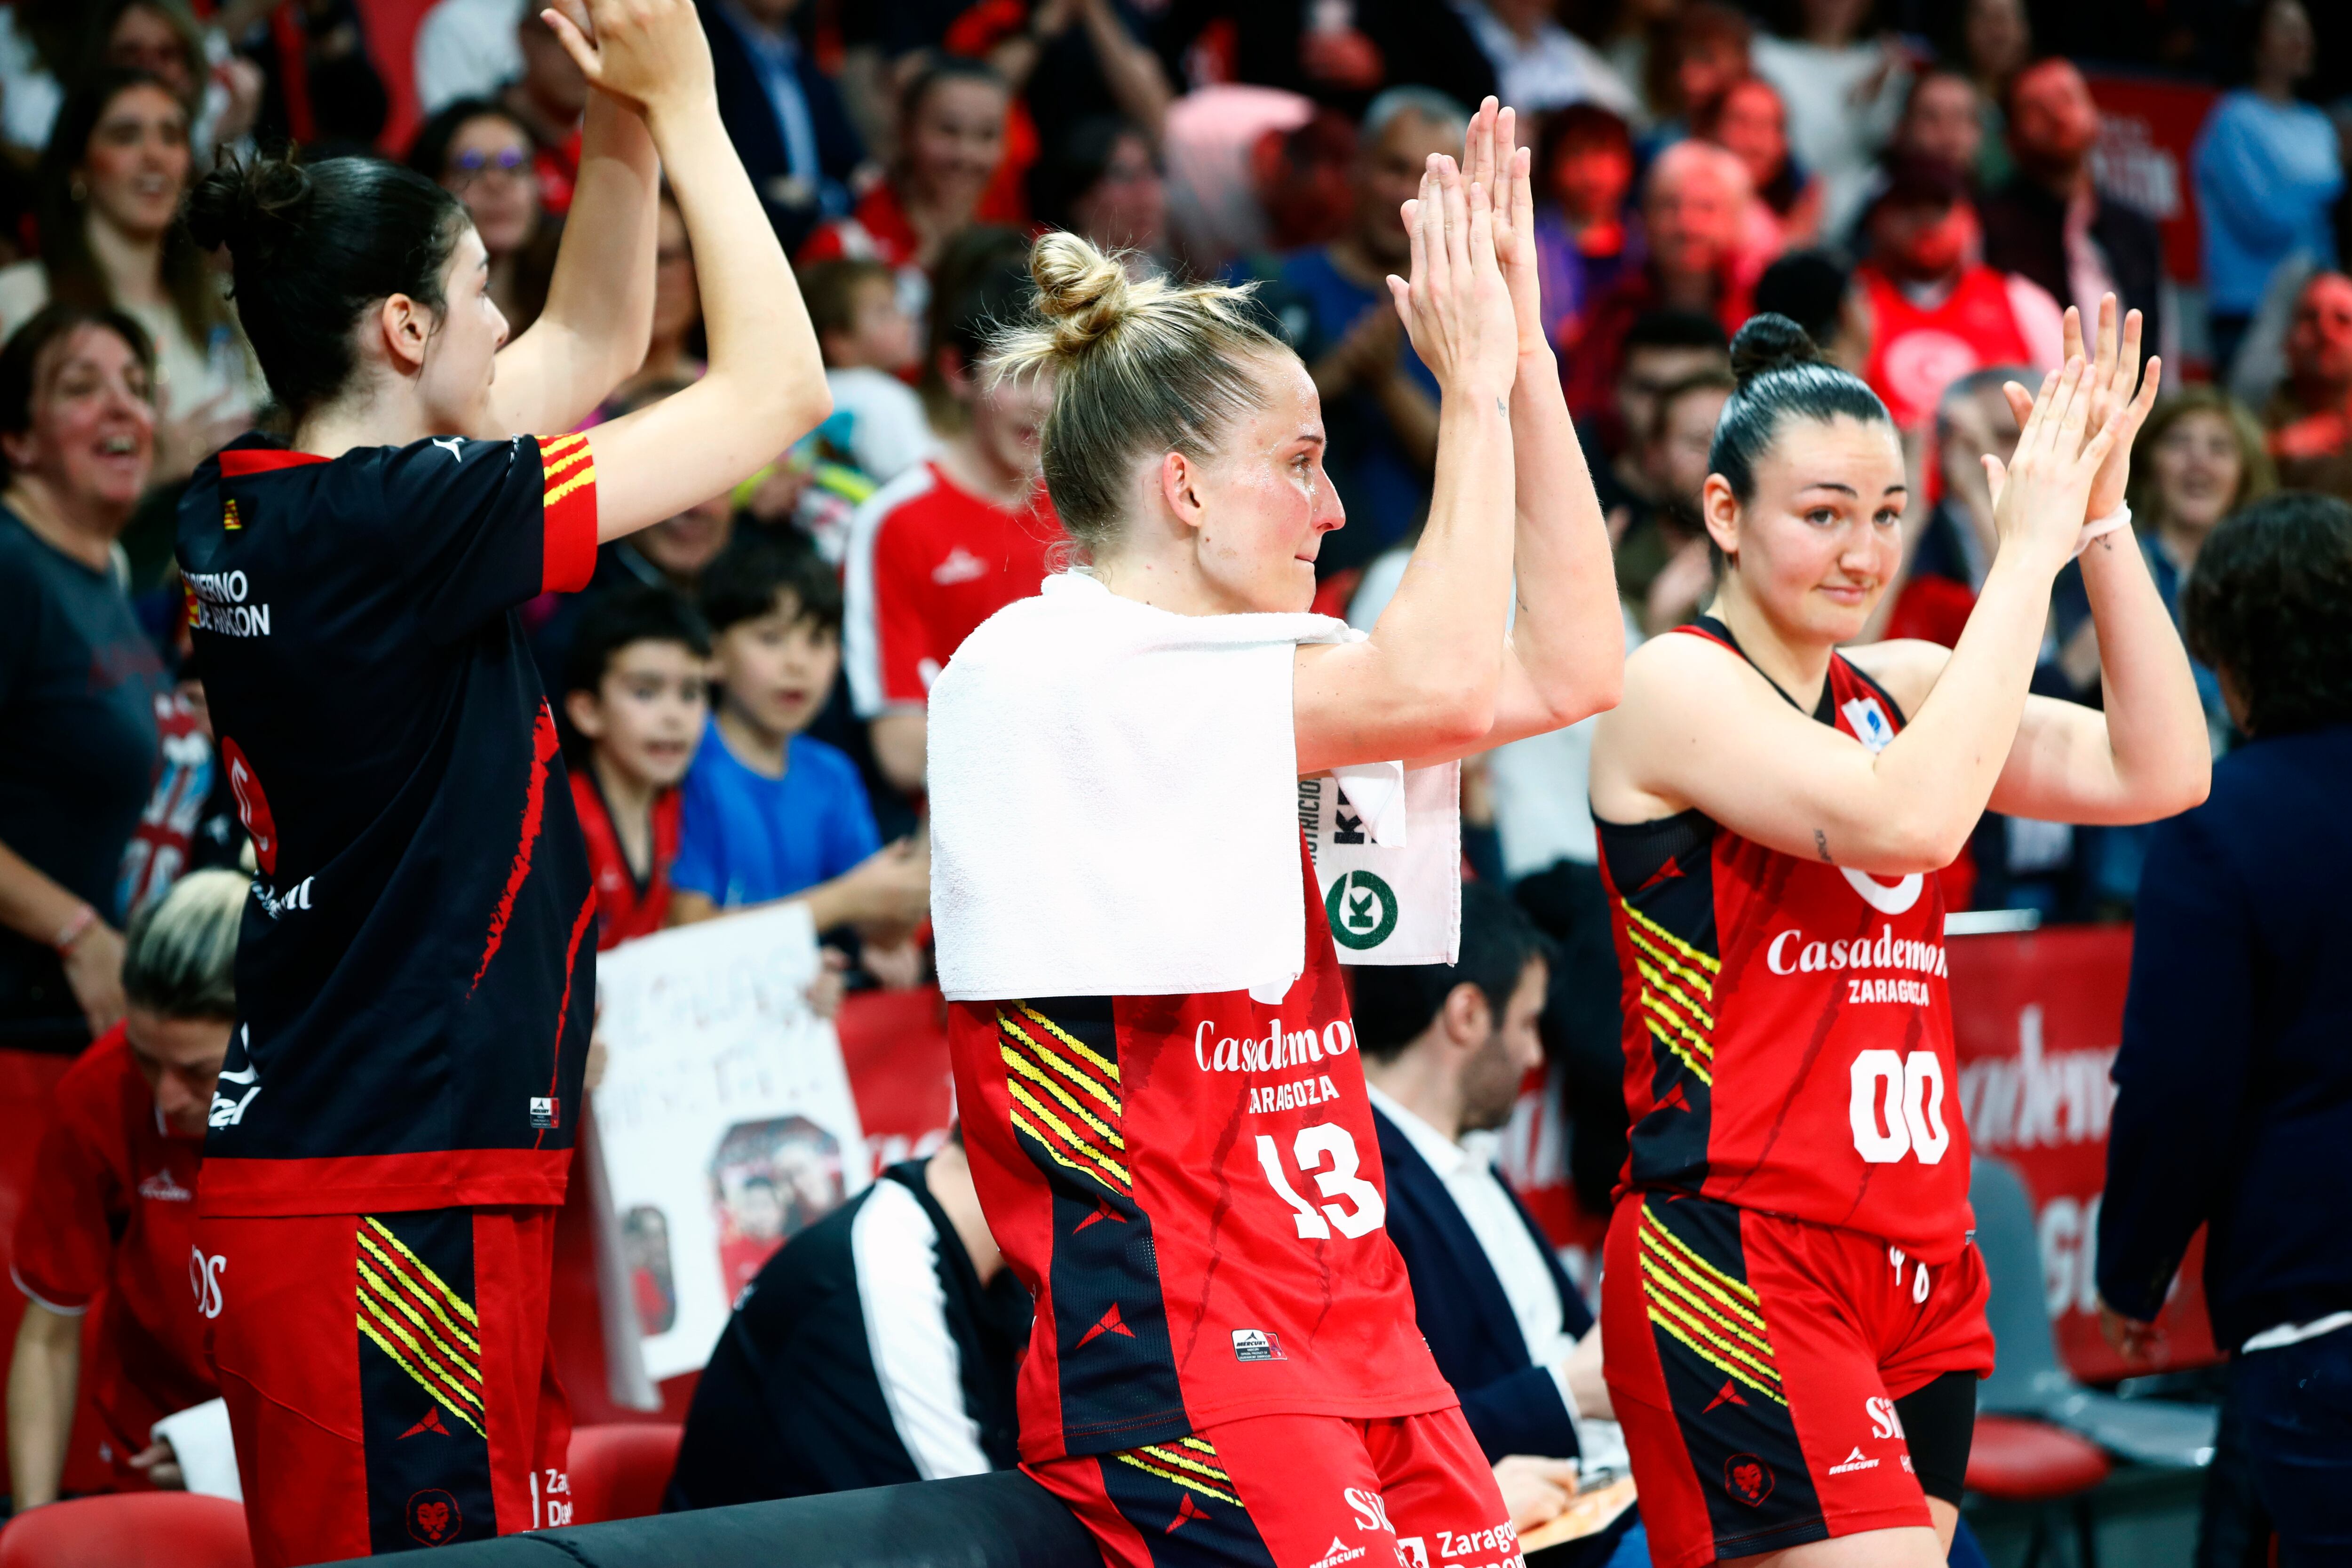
(1502, 408)
(1821, 846)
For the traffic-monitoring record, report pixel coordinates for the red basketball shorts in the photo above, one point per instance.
(387, 1377)
(1295, 1491)
(1755, 1362)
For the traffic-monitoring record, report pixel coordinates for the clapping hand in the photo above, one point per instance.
(1456, 308)
(1491, 157)
(2113, 371)
(2039, 494)
(651, 54)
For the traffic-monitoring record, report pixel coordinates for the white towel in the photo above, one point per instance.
(1116, 809)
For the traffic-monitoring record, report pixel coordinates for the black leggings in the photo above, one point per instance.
(1939, 1421)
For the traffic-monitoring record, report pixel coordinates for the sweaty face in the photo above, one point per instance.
(955, 140)
(490, 170)
(179, 1057)
(1821, 538)
(92, 435)
(460, 355)
(2198, 468)
(2319, 343)
(136, 164)
(775, 670)
(1491, 1078)
(646, 714)
(1266, 501)
(1388, 176)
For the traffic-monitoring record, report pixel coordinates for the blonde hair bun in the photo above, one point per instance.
(1083, 293)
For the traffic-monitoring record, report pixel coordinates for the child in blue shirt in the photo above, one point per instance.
(770, 813)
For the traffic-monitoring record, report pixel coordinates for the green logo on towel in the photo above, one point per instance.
(1363, 910)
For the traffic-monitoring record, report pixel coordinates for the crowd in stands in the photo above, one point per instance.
(742, 688)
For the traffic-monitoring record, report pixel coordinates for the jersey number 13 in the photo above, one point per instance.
(1312, 1148)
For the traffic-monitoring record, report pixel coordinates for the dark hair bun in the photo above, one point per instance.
(250, 206)
(1768, 342)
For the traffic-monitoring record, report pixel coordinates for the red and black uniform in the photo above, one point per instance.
(110, 1219)
(1917, 351)
(1791, 1260)
(626, 907)
(391, 1134)
(1224, 1365)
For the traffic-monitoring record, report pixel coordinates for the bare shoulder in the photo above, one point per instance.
(1907, 667)
(1677, 688)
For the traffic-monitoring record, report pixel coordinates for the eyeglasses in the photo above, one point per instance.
(469, 166)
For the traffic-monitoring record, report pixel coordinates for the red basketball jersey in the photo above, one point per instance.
(1916, 353)
(1788, 1022)
(1192, 1188)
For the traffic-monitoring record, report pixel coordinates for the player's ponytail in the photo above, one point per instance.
(1781, 377)
(312, 247)
(1140, 368)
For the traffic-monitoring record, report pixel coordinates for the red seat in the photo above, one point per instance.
(132, 1529)
(2030, 1462)
(620, 1469)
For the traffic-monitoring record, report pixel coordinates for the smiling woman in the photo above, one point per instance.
(110, 182)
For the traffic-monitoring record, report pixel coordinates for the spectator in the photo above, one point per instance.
(670, 358)
(163, 39)
(951, 119)
(2050, 222)
(1693, 213)
(636, 694)
(1102, 180)
(1813, 290)
(110, 1216)
(547, 100)
(1342, 57)
(1380, 402)
(1664, 567)
(78, 679)
(2233, 1108)
(1843, 91)
(111, 184)
(1710, 49)
(1930, 312)
(1445, 1048)
(465, 48)
(784, 116)
(1584, 167)
(1073, 60)
(1660, 349)
(1943, 121)
(318, 86)
(1952, 550)
(1243, 167)
(2310, 416)
(2268, 169)
(1996, 41)
(878, 1346)
(1751, 123)
(1540, 65)
(770, 813)
(953, 540)
(1635, 37)
(482, 154)
(868, 340)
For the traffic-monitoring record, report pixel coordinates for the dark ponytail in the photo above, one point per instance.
(314, 247)
(1781, 377)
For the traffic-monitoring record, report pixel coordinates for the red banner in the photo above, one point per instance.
(2038, 1016)
(2148, 127)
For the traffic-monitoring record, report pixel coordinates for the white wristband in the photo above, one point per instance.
(2119, 518)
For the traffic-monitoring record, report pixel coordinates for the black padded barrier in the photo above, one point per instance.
(1002, 1519)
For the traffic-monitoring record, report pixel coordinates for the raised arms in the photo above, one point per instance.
(765, 387)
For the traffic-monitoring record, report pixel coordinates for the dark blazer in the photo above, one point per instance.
(2025, 231)
(752, 125)
(2234, 1083)
(1513, 1406)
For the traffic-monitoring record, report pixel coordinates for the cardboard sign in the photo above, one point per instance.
(725, 1123)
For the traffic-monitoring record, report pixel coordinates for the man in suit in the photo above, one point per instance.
(1444, 1048)
(783, 114)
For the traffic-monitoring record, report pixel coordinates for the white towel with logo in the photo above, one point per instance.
(1116, 809)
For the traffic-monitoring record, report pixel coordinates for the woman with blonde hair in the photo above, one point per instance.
(1166, 1121)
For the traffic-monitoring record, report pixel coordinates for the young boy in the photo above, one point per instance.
(769, 813)
(636, 693)
(868, 340)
